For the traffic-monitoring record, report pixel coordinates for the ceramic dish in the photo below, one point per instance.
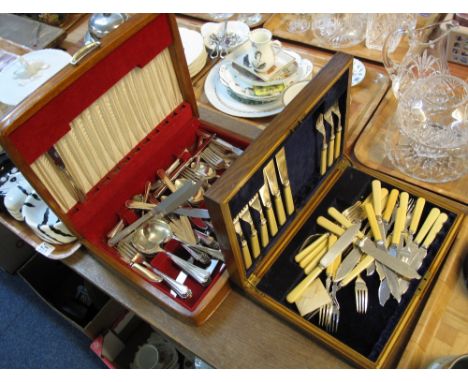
(24, 75)
(238, 27)
(243, 86)
(224, 100)
(16, 197)
(40, 218)
(359, 72)
(192, 42)
(291, 92)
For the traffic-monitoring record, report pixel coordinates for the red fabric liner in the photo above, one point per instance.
(37, 135)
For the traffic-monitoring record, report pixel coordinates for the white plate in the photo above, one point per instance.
(359, 72)
(291, 92)
(238, 27)
(242, 85)
(218, 95)
(14, 89)
(192, 42)
(41, 219)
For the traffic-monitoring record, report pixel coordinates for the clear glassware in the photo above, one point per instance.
(300, 23)
(339, 30)
(220, 16)
(380, 25)
(429, 137)
(250, 18)
(422, 59)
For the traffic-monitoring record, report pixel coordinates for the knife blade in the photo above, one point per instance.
(266, 201)
(348, 263)
(336, 111)
(254, 203)
(270, 174)
(243, 243)
(331, 144)
(284, 178)
(340, 245)
(253, 238)
(169, 204)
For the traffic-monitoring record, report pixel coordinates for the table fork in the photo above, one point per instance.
(361, 295)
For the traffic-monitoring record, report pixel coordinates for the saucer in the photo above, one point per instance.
(359, 72)
(237, 27)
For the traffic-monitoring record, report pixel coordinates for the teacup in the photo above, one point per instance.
(261, 55)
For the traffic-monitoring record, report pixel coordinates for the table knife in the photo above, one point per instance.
(169, 204)
(331, 144)
(284, 178)
(368, 247)
(270, 214)
(339, 129)
(243, 243)
(303, 252)
(254, 203)
(418, 259)
(399, 224)
(409, 240)
(377, 203)
(270, 174)
(428, 223)
(389, 207)
(340, 245)
(253, 237)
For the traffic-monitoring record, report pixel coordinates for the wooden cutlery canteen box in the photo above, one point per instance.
(109, 123)
(266, 215)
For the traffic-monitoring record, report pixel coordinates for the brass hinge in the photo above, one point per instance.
(253, 280)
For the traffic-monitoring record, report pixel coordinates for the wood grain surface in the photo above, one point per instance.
(370, 151)
(442, 329)
(207, 17)
(278, 24)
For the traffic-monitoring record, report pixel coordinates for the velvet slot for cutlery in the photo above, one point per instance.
(97, 133)
(307, 140)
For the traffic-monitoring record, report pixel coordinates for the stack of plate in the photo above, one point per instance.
(235, 89)
(194, 48)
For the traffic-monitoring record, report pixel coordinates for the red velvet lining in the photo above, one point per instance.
(37, 135)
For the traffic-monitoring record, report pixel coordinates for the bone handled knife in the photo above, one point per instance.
(270, 174)
(270, 214)
(311, 247)
(399, 224)
(255, 204)
(340, 245)
(436, 228)
(253, 238)
(377, 203)
(243, 243)
(331, 144)
(312, 255)
(284, 178)
(339, 130)
(430, 220)
(389, 207)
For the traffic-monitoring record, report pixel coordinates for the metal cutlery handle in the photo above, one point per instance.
(418, 209)
(183, 291)
(391, 202)
(431, 218)
(435, 230)
(201, 257)
(198, 274)
(145, 272)
(400, 218)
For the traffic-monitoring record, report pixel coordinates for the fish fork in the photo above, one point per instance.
(361, 295)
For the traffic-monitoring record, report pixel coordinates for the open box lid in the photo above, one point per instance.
(326, 97)
(126, 88)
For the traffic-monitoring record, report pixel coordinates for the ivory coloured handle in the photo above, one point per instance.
(435, 230)
(300, 288)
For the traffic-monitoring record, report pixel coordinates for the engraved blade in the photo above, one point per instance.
(340, 245)
(348, 263)
(282, 167)
(270, 174)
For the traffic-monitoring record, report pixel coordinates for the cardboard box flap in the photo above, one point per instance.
(294, 142)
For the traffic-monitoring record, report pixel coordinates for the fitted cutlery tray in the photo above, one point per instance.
(96, 134)
(267, 269)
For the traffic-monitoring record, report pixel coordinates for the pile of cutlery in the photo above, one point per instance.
(396, 250)
(267, 210)
(175, 201)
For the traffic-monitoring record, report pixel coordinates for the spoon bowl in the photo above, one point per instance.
(149, 237)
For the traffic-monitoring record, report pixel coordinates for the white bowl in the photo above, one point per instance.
(238, 27)
(41, 219)
(15, 198)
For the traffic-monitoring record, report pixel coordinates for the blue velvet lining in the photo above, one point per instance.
(366, 334)
(302, 147)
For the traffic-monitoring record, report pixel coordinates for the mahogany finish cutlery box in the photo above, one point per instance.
(92, 137)
(297, 170)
